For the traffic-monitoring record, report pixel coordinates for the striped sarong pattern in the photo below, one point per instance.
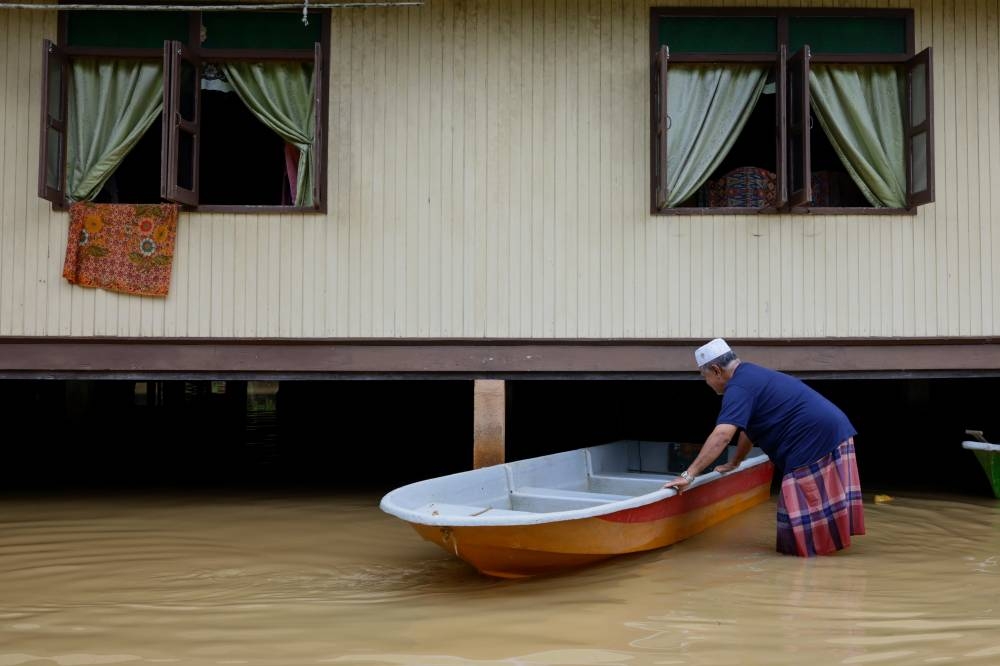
(820, 506)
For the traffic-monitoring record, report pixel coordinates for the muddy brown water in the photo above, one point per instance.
(292, 579)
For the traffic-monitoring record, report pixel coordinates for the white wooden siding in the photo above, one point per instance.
(488, 177)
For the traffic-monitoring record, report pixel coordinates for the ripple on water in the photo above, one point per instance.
(355, 583)
(77, 659)
(546, 658)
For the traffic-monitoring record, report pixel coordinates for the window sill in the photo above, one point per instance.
(228, 208)
(62, 208)
(814, 210)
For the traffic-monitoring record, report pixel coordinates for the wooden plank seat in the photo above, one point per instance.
(547, 500)
(633, 476)
(442, 509)
(631, 484)
(561, 493)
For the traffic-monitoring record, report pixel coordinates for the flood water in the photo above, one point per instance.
(289, 579)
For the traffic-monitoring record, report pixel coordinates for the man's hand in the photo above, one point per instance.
(743, 447)
(678, 484)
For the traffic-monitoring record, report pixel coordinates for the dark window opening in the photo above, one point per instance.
(137, 178)
(832, 185)
(755, 146)
(242, 159)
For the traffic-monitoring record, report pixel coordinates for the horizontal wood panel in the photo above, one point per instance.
(477, 358)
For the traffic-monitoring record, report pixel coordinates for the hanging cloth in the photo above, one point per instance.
(128, 248)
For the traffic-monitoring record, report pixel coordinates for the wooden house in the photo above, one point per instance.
(501, 189)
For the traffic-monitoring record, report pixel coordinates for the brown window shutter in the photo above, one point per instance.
(52, 155)
(797, 167)
(662, 126)
(781, 126)
(319, 173)
(919, 129)
(181, 124)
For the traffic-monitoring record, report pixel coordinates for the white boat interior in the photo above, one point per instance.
(561, 486)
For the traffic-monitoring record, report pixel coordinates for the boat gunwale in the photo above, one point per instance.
(484, 519)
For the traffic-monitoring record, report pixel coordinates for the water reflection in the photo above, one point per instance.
(308, 580)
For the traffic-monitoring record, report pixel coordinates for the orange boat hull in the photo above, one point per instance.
(529, 550)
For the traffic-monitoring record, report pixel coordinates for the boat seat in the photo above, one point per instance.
(545, 500)
(632, 476)
(441, 509)
(633, 484)
(559, 493)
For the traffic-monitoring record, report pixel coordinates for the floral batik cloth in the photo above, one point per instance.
(127, 248)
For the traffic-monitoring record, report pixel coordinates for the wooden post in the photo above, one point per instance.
(489, 422)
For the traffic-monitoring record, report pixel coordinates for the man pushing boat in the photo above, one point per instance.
(808, 438)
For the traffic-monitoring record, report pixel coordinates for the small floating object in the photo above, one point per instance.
(554, 512)
(883, 499)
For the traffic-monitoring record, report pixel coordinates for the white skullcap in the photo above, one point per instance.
(711, 351)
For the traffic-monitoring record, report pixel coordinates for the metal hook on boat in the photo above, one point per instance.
(446, 536)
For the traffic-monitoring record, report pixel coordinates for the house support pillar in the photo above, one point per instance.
(489, 422)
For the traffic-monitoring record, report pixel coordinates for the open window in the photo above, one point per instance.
(223, 138)
(843, 97)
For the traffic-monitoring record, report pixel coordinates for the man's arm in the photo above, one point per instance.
(710, 450)
(743, 447)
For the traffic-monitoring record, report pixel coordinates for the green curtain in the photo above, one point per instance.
(708, 107)
(860, 107)
(111, 105)
(281, 95)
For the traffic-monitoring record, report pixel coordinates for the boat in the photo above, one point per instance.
(563, 510)
(988, 455)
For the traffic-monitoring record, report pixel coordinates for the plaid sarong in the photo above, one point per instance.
(820, 507)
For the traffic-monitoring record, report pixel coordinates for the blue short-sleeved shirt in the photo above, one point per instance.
(792, 423)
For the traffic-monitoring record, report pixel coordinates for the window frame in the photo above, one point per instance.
(782, 17)
(319, 54)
